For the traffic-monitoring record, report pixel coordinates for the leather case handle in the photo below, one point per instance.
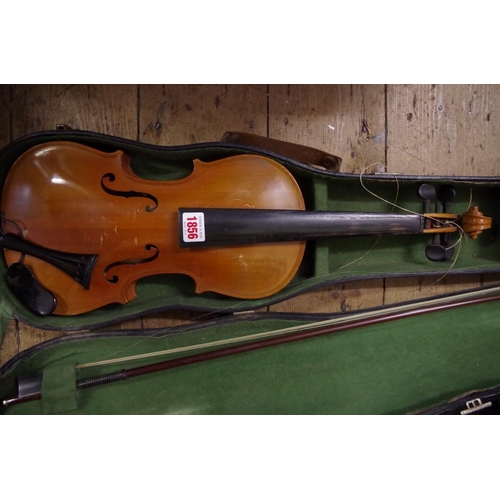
(303, 154)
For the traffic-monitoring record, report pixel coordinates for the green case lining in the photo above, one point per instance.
(390, 368)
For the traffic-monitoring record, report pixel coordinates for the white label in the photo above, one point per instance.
(193, 227)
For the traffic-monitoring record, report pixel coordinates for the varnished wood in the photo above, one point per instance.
(473, 223)
(67, 209)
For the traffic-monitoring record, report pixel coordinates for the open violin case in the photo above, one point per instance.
(399, 366)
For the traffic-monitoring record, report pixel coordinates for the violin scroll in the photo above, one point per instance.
(474, 222)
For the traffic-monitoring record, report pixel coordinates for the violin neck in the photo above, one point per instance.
(208, 227)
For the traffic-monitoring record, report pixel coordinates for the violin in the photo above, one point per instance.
(80, 228)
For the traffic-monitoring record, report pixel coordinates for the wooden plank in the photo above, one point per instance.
(29, 337)
(109, 109)
(443, 129)
(20, 336)
(345, 120)
(342, 297)
(5, 115)
(187, 114)
(169, 319)
(407, 289)
(163, 320)
(11, 342)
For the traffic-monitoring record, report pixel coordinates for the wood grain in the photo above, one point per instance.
(109, 109)
(187, 114)
(11, 344)
(414, 129)
(402, 289)
(342, 297)
(443, 129)
(346, 120)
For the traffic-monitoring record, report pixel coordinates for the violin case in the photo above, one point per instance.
(425, 361)
(441, 362)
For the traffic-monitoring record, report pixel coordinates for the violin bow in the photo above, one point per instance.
(411, 310)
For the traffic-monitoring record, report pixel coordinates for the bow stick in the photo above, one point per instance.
(466, 299)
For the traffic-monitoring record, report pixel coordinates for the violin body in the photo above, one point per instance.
(71, 198)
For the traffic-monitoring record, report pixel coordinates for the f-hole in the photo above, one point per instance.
(128, 194)
(134, 262)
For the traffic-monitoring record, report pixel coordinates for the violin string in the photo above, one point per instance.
(166, 331)
(379, 237)
(362, 256)
(470, 199)
(408, 153)
(395, 205)
(457, 243)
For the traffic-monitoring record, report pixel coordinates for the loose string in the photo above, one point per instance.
(392, 210)
(394, 205)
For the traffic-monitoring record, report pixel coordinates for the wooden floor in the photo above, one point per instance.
(448, 130)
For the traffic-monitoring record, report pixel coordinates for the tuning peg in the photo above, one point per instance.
(446, 194)
(426, 192)
(439, 250)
